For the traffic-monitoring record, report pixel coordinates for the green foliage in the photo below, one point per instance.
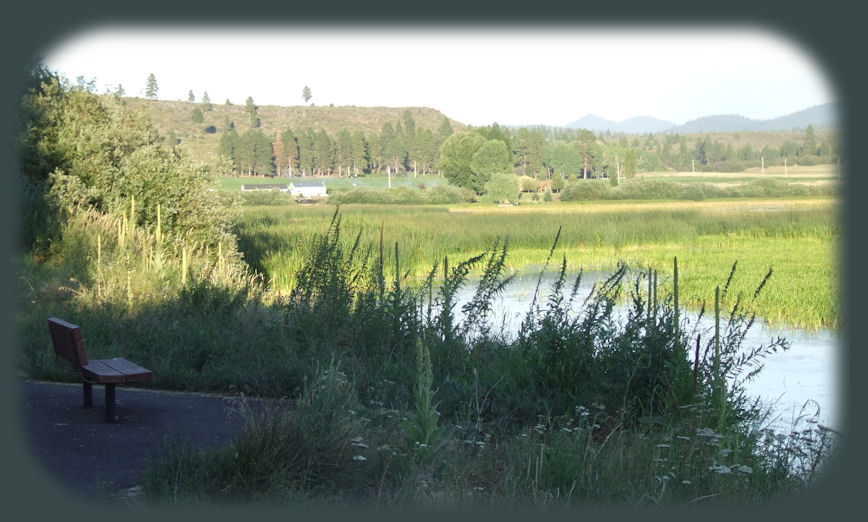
(198, 117)
(502, 186)
(83, 151)
(456, 156)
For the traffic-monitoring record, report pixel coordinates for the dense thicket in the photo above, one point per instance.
(80, 151)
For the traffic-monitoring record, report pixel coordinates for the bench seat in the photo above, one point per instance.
(69, 343)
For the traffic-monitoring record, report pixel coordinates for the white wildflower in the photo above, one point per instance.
(359, 458)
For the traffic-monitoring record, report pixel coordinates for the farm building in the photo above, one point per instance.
(265, 186)
(308, 189)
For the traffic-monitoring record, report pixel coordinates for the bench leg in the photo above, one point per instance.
(88, 395)
(109, 402)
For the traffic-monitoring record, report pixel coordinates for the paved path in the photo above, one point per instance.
(95, 458)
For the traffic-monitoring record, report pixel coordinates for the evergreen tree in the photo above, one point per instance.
(228, 144)
(120, 91)
(198, 117)
(306, 152)
(444, 131)
(191, 97)
(361, 153)
(630, 167)
(279, 153)
(584, 143)
(408, 137)
(206, 101)
(151, 88)
(305, 93)
(290, 150)
(326, 153)
(251, 112)
(810, 146)
(344, 152)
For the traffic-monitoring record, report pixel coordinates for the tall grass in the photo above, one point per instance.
(582, 408)
(799, 237)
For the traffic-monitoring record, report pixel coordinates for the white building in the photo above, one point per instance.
(308, 189)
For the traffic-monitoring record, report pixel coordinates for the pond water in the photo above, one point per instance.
(793, 382)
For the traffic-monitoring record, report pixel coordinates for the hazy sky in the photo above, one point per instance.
(513, 75)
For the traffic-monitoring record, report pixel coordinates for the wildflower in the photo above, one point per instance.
(725, 452)
(706, 432)
(663, 446)
(687, 482)
(744, 469)
(722, 470)
(359, 458)
(682, 437)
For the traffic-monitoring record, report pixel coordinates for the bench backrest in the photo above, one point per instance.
(68, 342)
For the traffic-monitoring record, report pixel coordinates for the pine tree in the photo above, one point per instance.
(305, 93)
(206, 101)
(191, 97)
(151, 88)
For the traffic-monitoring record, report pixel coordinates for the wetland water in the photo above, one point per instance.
(805, 375)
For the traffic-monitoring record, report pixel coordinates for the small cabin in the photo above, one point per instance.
(308, 189)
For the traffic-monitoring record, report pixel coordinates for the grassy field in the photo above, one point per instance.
(814, 174)
(798, 238)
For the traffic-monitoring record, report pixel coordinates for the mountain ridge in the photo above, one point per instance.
(820, 116)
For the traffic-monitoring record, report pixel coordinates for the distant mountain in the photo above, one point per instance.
(820, 116)
(636, 125)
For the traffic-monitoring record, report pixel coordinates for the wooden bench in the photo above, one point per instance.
(69, 343)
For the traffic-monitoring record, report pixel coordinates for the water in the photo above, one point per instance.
(793, 382)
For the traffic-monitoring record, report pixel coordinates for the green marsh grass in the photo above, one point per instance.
(799, 237)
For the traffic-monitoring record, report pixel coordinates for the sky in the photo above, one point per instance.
(512, 75)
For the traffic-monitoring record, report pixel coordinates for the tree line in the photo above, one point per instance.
(538, 153)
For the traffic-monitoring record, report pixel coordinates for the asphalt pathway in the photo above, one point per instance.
(84, 453)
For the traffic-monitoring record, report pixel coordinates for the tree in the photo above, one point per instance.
(344, 151)
(198, 117)
(206, 101)
(251, 111)
(444, 131)
(228, 143)
(361, 153)
(630, 167)
(120, 91)
(191, 97)
(325, 152)
(278, 153)
(305, 93)
(810, 147)
(503, 186)
(80, 150)
(290, 150)
(584, 143)
(491, 157)
(151, 87)
(456, 154)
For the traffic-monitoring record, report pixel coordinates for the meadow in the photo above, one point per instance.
(798, 238)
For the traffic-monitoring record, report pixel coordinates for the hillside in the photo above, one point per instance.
(202, 139)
